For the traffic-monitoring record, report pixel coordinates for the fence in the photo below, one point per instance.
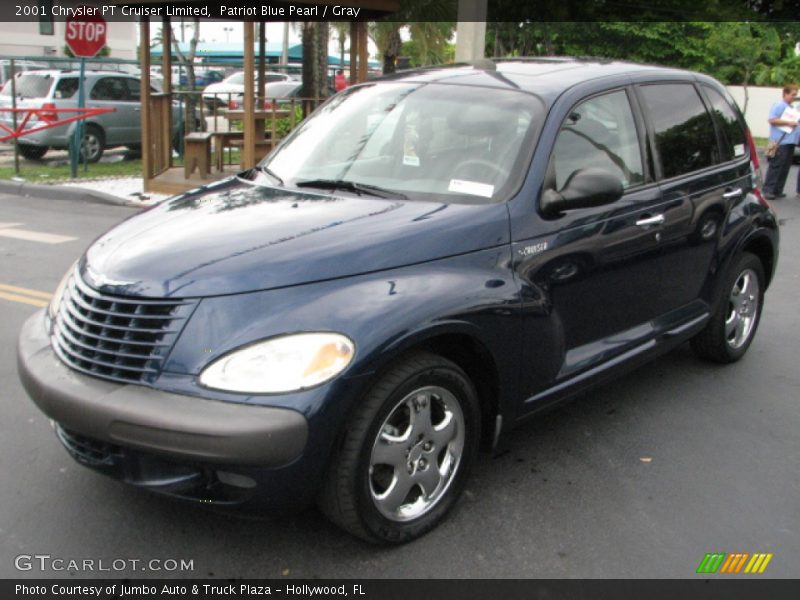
(191, 108)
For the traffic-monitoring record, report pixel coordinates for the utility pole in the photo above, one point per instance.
(471, 30)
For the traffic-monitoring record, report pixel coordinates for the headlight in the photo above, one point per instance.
(284, 364)
(58, 295)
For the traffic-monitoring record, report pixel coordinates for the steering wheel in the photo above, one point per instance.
(474, 167)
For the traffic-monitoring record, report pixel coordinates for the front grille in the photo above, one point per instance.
(120, 338)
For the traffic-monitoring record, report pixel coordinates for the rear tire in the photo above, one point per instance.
(733, 326)
(406, 452)
(32, 152)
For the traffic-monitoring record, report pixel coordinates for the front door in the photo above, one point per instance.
(592, 281)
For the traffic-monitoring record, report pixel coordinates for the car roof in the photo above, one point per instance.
(546, 77)
(76, 72)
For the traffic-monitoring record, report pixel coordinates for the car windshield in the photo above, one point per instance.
(446, 143)
(30, 85)
(236, 78)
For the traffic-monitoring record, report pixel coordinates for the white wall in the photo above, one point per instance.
(22, 38)
(760, 99)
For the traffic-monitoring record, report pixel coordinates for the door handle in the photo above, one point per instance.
(733, 193)
(650, 221)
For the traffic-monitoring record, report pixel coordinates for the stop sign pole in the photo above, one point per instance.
(85, 37)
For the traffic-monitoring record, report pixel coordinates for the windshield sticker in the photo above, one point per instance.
(410, 145)
(738, 150)
(473, 188)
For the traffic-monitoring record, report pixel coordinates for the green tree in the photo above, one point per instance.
(425, 18)
(738, 50)
(431, 41)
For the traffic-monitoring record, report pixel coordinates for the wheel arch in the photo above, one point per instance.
(762, 248)
(463, 347)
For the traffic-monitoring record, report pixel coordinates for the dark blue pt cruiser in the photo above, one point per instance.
(426, 261)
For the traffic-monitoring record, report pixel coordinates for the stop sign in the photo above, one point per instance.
(86, 35)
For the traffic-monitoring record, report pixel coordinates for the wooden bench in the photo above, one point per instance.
(223, 140)
(197, 154)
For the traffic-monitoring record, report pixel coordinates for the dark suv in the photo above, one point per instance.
(426, 261)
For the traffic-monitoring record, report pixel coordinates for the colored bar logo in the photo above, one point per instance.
(734, 563)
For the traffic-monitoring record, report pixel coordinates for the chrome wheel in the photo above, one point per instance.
(416, 453)
(742, 309)
(91, 146)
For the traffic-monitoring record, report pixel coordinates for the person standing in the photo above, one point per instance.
(339, 81)
(779, 165)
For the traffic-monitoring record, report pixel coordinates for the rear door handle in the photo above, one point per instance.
(650, 221)
(733, 193)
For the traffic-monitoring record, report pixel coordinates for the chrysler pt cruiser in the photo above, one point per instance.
(425, 262)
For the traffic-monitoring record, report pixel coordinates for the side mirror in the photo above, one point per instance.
(583, 189)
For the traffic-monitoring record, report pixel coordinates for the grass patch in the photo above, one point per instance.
(34, 172)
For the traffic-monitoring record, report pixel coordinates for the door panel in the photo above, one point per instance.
(122, 125)
(591, 286)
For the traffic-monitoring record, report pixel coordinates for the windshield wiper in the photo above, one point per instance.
(351, 186)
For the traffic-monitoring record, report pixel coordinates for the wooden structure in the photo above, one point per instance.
(157, 134)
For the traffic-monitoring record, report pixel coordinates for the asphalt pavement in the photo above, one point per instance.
(639, 478)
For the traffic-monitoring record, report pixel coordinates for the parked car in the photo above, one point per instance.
(202, 77)
(424, 263)
(277, 92)
(56, 89)
(19, 66)
(220, 94)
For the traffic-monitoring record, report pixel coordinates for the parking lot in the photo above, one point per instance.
(639, 478)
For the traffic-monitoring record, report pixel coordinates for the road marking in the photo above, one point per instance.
(33, 236)
(23, 299)
(24, 295)
(21, 290)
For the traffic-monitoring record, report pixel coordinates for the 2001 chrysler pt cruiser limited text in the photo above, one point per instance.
(427, 260)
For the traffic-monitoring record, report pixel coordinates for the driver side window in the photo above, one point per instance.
(598, 133)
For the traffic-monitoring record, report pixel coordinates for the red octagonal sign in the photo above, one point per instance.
(86, 35)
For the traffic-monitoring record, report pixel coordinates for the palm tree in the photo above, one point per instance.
(386, 35)
(423, 17)
(315, 59)
(342, 31)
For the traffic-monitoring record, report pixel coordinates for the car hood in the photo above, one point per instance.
(223, 88)
(235, 236)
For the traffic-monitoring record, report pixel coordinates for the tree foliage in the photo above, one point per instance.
(734, 52)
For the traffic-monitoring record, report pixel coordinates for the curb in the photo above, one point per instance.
(60, 192)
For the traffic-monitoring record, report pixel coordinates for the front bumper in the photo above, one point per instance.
(183, 428)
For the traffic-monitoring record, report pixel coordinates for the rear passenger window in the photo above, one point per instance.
(134, 89)
(733, 135)
(66, 88)
(599, 133)
(685, 136)
(110, 88)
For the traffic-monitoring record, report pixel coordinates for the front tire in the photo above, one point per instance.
(733, 326)
(93, 144)
(406, 452)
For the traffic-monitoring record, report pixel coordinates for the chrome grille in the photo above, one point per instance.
(120, 338)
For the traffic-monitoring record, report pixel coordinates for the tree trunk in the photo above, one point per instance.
(323, 30)
(394, 43)
(190, 104)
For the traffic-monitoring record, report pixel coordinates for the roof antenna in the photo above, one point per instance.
(484, 64)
